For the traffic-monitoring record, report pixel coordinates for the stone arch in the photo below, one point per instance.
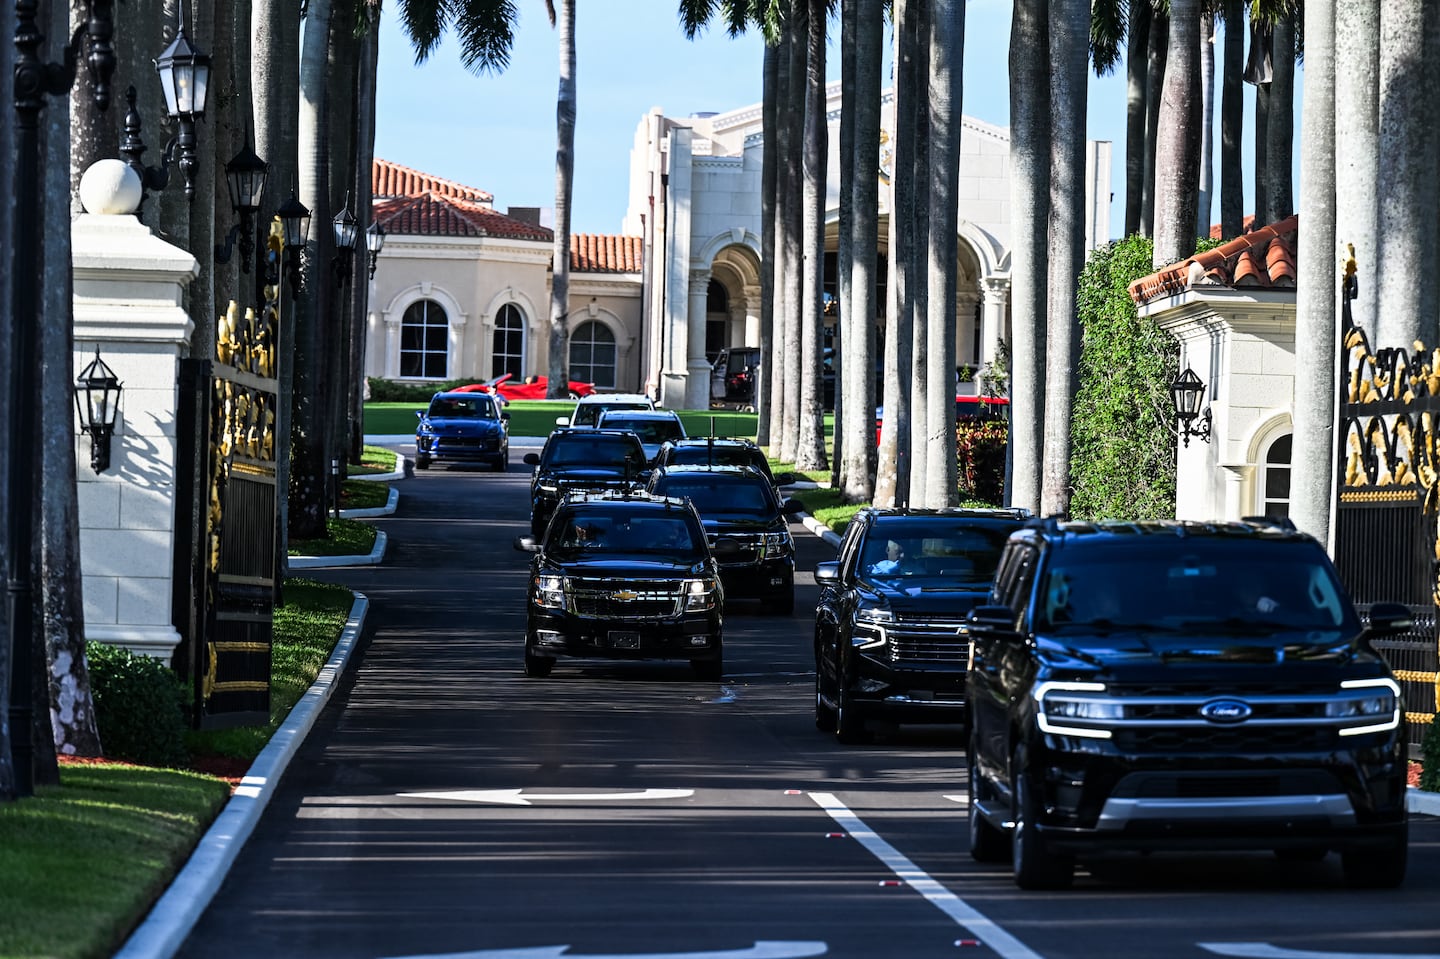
(1269, 427)
(535, 336)
(732, 260)
(624, 342)
(393, 318)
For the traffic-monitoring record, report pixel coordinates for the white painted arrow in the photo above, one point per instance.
(1263, 950)
(513, 797)
(764, 949)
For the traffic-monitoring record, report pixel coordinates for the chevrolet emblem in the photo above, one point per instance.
(626, 596)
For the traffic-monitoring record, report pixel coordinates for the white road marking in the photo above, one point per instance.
(764, 949)
(1263, 950)
(513, 797)
(964, 914)
(962, 800)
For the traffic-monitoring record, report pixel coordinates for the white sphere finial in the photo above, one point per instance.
(110, 187)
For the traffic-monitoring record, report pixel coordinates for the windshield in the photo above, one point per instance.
(717, 494)
(933, 551)
(588, 414)
(652, 431)
(1196, 585)
(709, 455)
(467, 407)
(593, 450)
(595, 535)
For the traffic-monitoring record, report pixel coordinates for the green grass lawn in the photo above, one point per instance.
(363, 494)
(345, 537)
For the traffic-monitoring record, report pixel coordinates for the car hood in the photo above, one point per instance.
(589, 476)
(450, 426)
(631, 568)
(1124, 649)
(929, 598)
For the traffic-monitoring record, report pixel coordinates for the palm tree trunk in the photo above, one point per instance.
(844, 256)
(863, 185)
(1155, 56)
(1280, 126)
(1408, 168)
(1357, 152)
(369, 57)
(810, 453)
(792, 254)
(1262, 143)
(1136, 85)
(1177, 142)
(1232, 123)
(768, 170)
(1316, 327)
(340, 92)
(947, 48)
(1069, 31)
(1030, 201)
(559, 367)
(8, 442)
(1207, 122)
(784, 199)
(916, 255)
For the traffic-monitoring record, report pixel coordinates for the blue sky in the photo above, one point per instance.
(497, 131)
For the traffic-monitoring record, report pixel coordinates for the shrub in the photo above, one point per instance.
(1430, 757)
(389, 391)
(980, 449)
(139, 706)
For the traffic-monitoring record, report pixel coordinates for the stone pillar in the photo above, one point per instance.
(674, 390)
(129, 285)
(965, 301)
(752, 316)
(697, 367)
(995, 291)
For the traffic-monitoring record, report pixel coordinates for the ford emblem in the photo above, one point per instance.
(1226, 711)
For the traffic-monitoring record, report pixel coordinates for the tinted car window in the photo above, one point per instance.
(591, 451)
(452, 407)
(588, 414)
(649, 429)
(933, 548)
(595, 533)
(717, 456)
(1209, 584)
(712, 494)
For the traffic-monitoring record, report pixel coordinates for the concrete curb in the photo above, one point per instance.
(386, 510)
(169, 923)
(316, 562)
(1424, 802)
(820, 529)
(403, 468)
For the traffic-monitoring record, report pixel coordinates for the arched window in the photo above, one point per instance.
(424, 341)
(1275, 479)
(592, 354)
(508, 351)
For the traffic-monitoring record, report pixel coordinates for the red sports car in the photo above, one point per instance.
(507, 390)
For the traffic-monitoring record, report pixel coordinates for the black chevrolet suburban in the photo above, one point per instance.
(1179, 685)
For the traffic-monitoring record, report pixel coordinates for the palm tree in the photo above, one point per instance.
(1316, 341)
(558, 387)
(1155, 54)
(1357, 153)
(947, 44)
(844, 257)
(1069, 29)
(858, 369)
(1030, 203)
(8, 785)
(1280, 122)
(1232, 121)
(768, 168)
(915, 252)
(791, 241)
(1177, 142)
(810, 449)
(1207, 119)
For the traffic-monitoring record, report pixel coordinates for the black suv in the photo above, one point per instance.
(623, 576)
(890, 632)
(716, 451)
(1164, 685)
(581, 459)
(738, 503)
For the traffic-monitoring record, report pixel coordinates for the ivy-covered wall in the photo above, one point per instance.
(1122, 460)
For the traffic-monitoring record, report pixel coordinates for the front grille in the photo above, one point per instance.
(626, 599)
(468, 443)
(924, 640)
(1214, 739)
(752, 548)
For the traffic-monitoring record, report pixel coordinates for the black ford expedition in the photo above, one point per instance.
(1176, 685)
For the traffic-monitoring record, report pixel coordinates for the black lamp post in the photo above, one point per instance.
(295, 224)
(245, 176)
(185, 78)
(33, 81)
(374, 242)
(1187, 393)
(97, 400)
(346, 235)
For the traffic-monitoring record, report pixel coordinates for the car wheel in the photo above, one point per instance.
(849, 722)
(537, 667)
(422, 462)
(708, 670)
(1034, 867)
(987, 844)
(1381, 867)
(824, 715)
(782, 603)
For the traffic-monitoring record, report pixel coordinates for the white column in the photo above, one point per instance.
(392, 344)
(752, 316)
(965, 337)
(674, 391)
(996, 293)
(697, 367)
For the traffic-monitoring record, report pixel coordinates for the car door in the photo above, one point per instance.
(996, 655)
(835, 606)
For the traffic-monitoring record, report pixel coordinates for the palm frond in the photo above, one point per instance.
(424, 22)
(1107, 33)
(695, 16)
(486, 31)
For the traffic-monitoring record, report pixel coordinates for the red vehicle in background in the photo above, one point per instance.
(967, 409)
(504, 387)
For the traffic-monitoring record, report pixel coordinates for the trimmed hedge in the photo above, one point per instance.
(1430, 757)
(980, 449)
(139, 706)
(388, 391)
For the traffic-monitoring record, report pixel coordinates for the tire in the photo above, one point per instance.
(422, 462)
(1034, 868)
(824, 715)
(708, 670)
(849, 721)
(537, 667)
(1382, 867)
(987, 844)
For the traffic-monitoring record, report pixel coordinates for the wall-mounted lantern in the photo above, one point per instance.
(295, 225)
(245, 176)
(346, 236)
(1187, 393)
(374, 242)
(185, 78)
(97, 399)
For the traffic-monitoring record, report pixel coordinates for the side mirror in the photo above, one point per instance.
(532, 459)
(527, 544)
(790, 506)
(997, 618)
(505, 414)
(727, 547)
(784, 479)
(1388, 619)
(420, 414)
(827, 573)
(562, 421)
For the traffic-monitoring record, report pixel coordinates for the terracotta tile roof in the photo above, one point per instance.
(430, 214)
(598, 253)
(1217, 232)
(1261, 259)
(389, 180)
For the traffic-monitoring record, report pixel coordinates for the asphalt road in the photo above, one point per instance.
(445, 805)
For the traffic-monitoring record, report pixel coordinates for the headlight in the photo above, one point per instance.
(778, 542)
(1377, 700)
(871, 614)
(550, 591)
(1067, 701)
(700, 594)
(869, 632)
(548, 487)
